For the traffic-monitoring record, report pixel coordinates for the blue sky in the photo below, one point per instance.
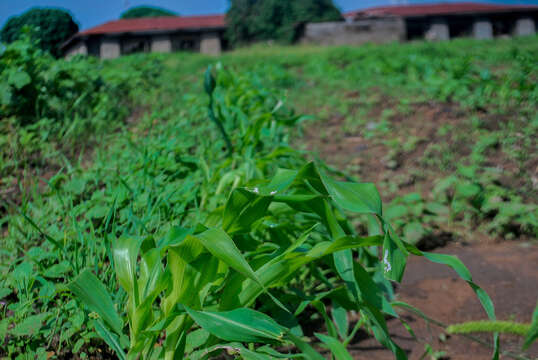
(89, 13)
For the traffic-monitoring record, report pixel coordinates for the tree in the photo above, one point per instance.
(146, 11)
(280, 20)
(52, 27)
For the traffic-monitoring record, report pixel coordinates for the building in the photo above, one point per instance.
(439, 21)
(158, 34)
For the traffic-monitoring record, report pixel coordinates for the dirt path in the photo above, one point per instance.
(507, 271)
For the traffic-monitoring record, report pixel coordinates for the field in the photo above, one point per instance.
(275, 202)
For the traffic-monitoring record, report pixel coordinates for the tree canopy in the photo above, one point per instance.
(146, 11)
(253, 20)
(52, 28)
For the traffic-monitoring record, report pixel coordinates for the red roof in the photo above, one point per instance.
(157, 23)
(436, 9)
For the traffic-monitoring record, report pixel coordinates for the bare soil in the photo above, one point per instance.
(506, 271)
(371, 159)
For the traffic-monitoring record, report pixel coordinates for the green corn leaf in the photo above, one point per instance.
(339, 315)
(125, 251)
(220, 245)
(394, 259)
(533, 332)
(308, 350)
(357, 197)
(323, 311)
(464, 273)
(244, 293)
(370, 292)
(87, 287)
(380, 330)
(244, 325)
(111, 339)
(178, 259)
(242, 209)
(338, 349)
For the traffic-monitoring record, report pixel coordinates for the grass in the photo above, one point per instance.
(167, 241)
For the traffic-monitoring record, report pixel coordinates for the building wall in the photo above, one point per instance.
(79, 48)
(438, 31)
(524, 26)
(355, 33)
(110, 48)
(210, 43)
(161, 43)
(483, 29)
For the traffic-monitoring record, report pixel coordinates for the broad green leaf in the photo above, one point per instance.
(370, 292)
(19, 79)
(243, 208)
(244, 325)
(394, 259)
(178, 259)
(356, 197)
(125, 251)
(244, 293)
(220, 245)
(58, 270)
(31, 325)
(87, 287)
(339, 315)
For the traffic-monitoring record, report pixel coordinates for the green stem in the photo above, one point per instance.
(219, 125)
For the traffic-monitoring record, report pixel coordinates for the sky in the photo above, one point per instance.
(89, 13)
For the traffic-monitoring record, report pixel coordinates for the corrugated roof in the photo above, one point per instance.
(436, 9)
(157, 23)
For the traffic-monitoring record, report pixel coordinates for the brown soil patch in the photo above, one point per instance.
(372, 160)
(507, 272)
(439, 137)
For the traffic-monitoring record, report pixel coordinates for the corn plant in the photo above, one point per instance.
(239, 277)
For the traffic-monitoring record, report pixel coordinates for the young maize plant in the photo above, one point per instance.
(244, 276)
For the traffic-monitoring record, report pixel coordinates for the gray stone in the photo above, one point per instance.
(110, 48)
(524, 27)
(482, 29)
(161, 43)
(210, 43)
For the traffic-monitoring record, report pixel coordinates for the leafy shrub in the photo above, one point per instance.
(52, 27)
(250, 21)
(146, 11)
(47, 103)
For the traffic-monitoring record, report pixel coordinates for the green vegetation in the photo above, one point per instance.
(196, 227)
(282, 21)
(504, 327)
(51, 109)
(50, 27)
(146, 11)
